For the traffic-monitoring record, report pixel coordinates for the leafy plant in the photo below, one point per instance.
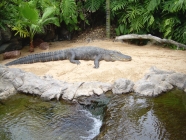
(8, 13)
(93, 5)
(31, 22)
(166, 18)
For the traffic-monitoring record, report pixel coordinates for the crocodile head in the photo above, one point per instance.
(117, 56)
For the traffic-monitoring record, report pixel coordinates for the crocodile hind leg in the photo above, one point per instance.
(72, 59)
(96, 61)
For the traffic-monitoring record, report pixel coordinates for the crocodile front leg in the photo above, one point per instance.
(96, 61)
(72, 59)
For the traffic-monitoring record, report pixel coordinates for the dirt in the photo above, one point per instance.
(143, 57)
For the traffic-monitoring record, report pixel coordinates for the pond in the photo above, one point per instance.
(131, 117)
(116, 117)
(29, 118)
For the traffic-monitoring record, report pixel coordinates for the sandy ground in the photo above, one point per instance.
(143, 57)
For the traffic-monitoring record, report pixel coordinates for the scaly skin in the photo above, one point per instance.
(74, 55)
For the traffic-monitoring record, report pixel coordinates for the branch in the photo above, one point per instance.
(149, 36)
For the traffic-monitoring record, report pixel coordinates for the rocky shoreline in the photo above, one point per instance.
(155, 82)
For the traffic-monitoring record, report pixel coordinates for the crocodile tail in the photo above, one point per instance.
(41, 57)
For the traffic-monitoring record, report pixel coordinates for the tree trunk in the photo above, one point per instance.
(150, 37)
(108, 18)
(31, 49)
(31, 46)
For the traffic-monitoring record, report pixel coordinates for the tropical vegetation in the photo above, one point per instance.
(165, 18)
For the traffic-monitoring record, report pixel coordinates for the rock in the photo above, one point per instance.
(13, 80)
(71, 90)
(10, 46)
(122, 86)
(157, 81)
(47, 87)
(5, 35)
(50, 35)
(4, 47)
(90, 88)
(178, 80)
(29, 83)
(11, 54)
(63, 34)
(6, 89)
(44, 46)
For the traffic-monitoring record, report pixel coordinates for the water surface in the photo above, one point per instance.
(131, 117)
(29, 118)
(126, 117)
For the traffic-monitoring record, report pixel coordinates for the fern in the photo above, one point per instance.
(178, 5)
(137, 24)
(69, 12)
(133, 12)
(179, 33)
(174, 6)
(118, 5)
(153, 4)
(93, 5)
(168, 25)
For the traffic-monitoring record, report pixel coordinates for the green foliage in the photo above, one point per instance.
(69, 13)
(173, 6)
(162, 18)
(8, 13)
(31, 23)
(151, 16)
(29, 13)
(93, 5)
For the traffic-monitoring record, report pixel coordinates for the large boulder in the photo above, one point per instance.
(157, 81)
(12, 45)
(122, 85)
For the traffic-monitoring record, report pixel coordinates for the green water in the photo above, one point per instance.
(126, 117)
(132, 117)
(25, 117)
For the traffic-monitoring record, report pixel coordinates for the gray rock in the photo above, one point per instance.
(157, 81)
(178, 80)
(6, 34)
(71, 90)
(122, 86)
(46, 87)
(14, 80)
(6, 89)
(90, 88)
(10, 46)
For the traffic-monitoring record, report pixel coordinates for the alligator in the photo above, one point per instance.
(74, 55)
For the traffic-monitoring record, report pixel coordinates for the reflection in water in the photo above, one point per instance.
(130, 117)
(28, 118)
(127, 117)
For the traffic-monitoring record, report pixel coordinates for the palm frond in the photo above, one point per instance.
(48, 12)
(50, 20)
(22, 31)
(29, 13)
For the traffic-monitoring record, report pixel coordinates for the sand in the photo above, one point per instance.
(143, 58)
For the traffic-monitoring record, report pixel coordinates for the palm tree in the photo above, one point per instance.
(31, 22)
(108, 19)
